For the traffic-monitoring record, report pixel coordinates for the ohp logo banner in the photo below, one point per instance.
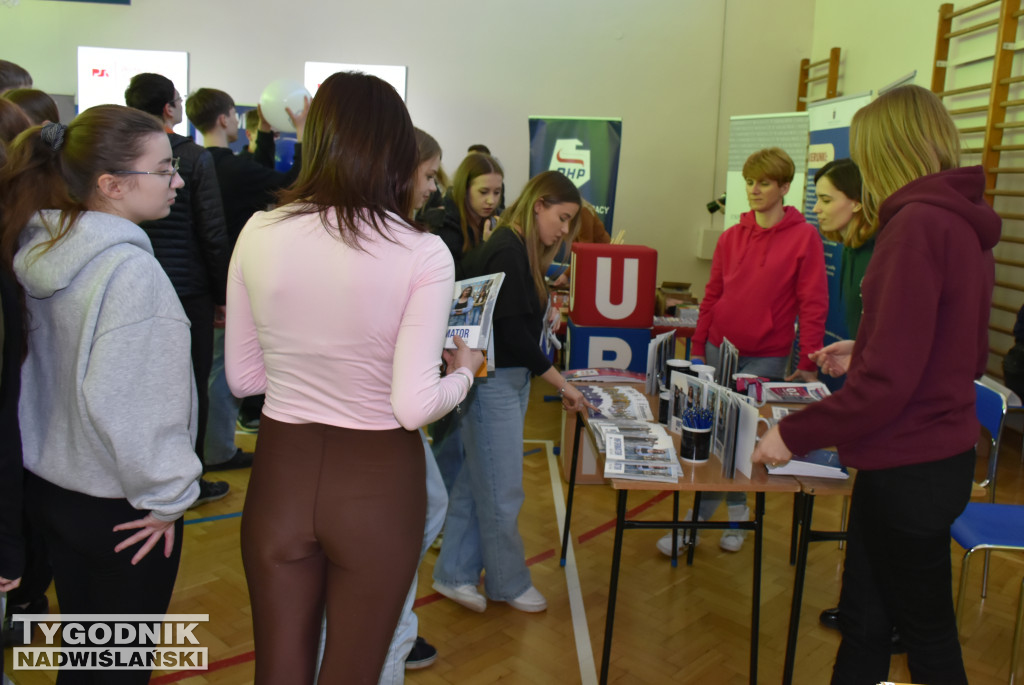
(584, 149)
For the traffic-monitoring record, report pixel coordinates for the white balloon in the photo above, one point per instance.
(278, 95)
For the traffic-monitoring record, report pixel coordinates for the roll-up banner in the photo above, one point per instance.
(586, 149)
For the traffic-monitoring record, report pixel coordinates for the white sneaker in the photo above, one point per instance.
(664, 545)
(530, 601)
(466, 595)
(732, 539)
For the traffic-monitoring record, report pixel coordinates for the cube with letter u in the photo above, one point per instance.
(613, 285)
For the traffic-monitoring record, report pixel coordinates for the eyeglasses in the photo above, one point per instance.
(175, 161)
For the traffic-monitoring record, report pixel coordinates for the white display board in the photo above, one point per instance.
(104, 73)
(747, 135)
(317, 72)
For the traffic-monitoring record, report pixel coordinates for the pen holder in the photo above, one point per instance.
(695, 445)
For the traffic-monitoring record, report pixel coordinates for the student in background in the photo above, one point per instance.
(482, 530)
(767, 271)
(40, 107)
(335, 512)
(108, 401)
(467, 220)
(841, 219)
(13, 76)
(471, 207)
(922, 341)
(190, 242)
(247, 185)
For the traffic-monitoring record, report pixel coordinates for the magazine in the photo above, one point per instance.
(608, 375)
(617, 402)
(659, 351)
(688, 392)
(472, 311)
(636, 455)
(818, 463)
(798, 393)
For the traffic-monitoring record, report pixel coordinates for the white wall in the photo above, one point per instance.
(478, 69)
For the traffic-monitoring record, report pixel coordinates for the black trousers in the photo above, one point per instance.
(90, 577)
(199, 310)
(898, 572)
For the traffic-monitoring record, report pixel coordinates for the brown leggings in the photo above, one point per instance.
(332, 515)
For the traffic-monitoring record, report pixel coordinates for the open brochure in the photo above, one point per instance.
(818, 463)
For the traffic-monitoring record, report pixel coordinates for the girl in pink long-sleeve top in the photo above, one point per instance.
(337, 310)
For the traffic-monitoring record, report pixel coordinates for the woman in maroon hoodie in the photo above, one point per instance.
(922, 341)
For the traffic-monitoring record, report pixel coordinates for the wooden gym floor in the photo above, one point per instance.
(678, 625)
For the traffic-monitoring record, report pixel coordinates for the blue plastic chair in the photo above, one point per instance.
(991, 411)
(986, 527)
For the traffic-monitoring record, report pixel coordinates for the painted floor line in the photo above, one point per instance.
(584, 651)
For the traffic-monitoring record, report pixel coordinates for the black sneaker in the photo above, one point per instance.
(240, 460)
(830, 619)
(246, 424)
(422, 655)
(210, 491)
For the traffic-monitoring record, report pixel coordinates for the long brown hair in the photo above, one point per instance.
(548, 188)
(845, 176)
(50, 175)
(475, 164)
(358, 157)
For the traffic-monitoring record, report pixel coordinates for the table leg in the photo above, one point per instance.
(572, 486)
(613, 585)
(798, 588)
(755, 621)
(794, 532)
(693, 531)
(675, 531)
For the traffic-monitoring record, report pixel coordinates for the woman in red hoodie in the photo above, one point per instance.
(767, 270)
(922, 341)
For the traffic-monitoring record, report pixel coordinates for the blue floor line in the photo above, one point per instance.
(213, 518)
(529, 452)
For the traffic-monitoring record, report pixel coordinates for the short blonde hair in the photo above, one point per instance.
(901, 136)
(772, 163)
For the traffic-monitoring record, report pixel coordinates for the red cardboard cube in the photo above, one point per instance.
(613, 285)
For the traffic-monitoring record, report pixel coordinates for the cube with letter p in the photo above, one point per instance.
(616, 348)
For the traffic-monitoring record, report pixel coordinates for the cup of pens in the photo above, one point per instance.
(695, 444)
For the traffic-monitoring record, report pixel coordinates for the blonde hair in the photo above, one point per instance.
(772, 163)
(548, 188)
(901, 136)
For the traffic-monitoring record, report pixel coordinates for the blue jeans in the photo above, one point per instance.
(448, 450)
(773, 368)
(220, 427)
(482, 528)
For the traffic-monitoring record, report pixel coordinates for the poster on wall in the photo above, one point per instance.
(586, 149)
(829, 123)
(104, 73)
(317, 72)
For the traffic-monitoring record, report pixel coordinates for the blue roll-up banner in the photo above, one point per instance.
(829, 133)
(586, 150)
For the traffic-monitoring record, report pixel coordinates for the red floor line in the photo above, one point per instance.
(610, 525)
(420, 601)
(214, 666)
